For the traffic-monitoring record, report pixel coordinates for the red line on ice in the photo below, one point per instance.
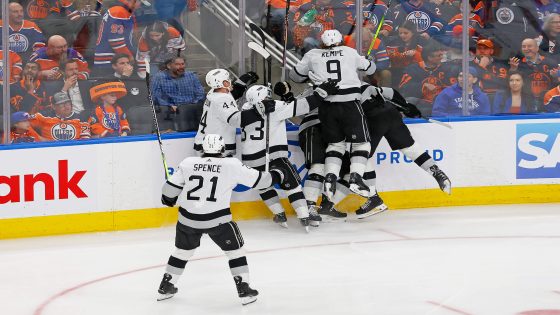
(458, 311)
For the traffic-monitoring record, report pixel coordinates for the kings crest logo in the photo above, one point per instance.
(504, 15)
(538, 151)
(63, 131)
(421, 19)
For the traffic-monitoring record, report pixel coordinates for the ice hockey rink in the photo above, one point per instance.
(485, 260)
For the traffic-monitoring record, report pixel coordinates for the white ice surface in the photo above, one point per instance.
(489, 260)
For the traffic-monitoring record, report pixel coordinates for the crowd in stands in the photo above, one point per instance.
(86, 48)
(65, 87)
(514, 53)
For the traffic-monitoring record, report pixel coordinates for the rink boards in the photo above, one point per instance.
(108, 184)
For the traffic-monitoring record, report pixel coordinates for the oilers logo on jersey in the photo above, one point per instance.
(421, 19)
(110, 121)
(504, 15)
(18, 42)
(63, 131)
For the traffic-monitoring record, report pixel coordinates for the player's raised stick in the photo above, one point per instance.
(154, 116)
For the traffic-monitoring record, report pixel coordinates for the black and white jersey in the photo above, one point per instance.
(370, 91)
(204, 186)
(253, 128)
(339, 63)
(219, 116)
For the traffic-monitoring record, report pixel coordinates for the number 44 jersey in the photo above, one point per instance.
(204, 186)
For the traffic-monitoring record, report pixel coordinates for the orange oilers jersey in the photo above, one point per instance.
(26, 137)
(175, 43)
(281, 4)
(40, 9)
(44, 61)
(56, 128)
(15, 65)
(108, 121)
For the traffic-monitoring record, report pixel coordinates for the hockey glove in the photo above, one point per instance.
(410, 110)
(327, 88)
(290, 179)
(284, 90)
(170, 202)
(269, 106)
(277, 176)
(249, 78)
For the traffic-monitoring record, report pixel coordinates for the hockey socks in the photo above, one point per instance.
(314, 183)
(425, 161)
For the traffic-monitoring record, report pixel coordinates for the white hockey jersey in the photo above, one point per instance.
(339, 63)
(253, 128)
(219, 116)
(204, 186)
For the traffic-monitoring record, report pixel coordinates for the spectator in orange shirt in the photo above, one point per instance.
(29, 94)
(25, 36)
(21, 131)
(158, 43)
(15, 66)
(108, 118)
(56, 53)
(60, 123)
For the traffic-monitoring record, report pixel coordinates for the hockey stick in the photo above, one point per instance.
(378, 29)
(283, 77)
(437, 122)
(154, 116)
(256, 29)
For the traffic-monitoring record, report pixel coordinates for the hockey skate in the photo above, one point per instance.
(166, 289)
(330, 185)
(314, 217)
(357, 185)
(244, 291)
(372, 206)
(442, 179)
(281, 219)
(329, 213)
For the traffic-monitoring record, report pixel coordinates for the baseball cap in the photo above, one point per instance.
(485, 42)
(19, 117)
(61, 97)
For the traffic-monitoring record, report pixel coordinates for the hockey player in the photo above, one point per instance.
(220, 114)
(341, 112)
(259, 108)
(202, 188)
(386, 121)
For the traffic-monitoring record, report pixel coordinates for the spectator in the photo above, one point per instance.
(423, 81)
(60, 123)
(511, 22)
(136, 87)
(517, 99)
(552, 99)
(475, 21)
(275, 26)
(15, 66)
(158, 43)
(312, 18)
(421, 13)
(21, 131)
(405, 49)
(77, 90)
(450, 101)
(545, 8)
(40, 10)
(56, 53)
(25, 36)
(115, 34)
(551, 36)
(445, 9)
(29, 94)
(170, 11)
(537, 69)
(181, 92)
(108, 118)
(492, 72)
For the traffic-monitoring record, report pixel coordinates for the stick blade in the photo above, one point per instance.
(259, 50)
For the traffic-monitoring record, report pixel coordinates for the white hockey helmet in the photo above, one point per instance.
(215, 78)
(331, 38)
(256, 94)
(213, 144)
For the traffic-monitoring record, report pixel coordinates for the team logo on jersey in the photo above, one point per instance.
(372, 18)
(18, 42)
(421, 19)
(505, 15)
(63, 131)
(110, 121)
(538, 151)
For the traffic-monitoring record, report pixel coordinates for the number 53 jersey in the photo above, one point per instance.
(206, 185)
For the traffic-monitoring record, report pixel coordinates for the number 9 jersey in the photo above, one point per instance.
(339, 63)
